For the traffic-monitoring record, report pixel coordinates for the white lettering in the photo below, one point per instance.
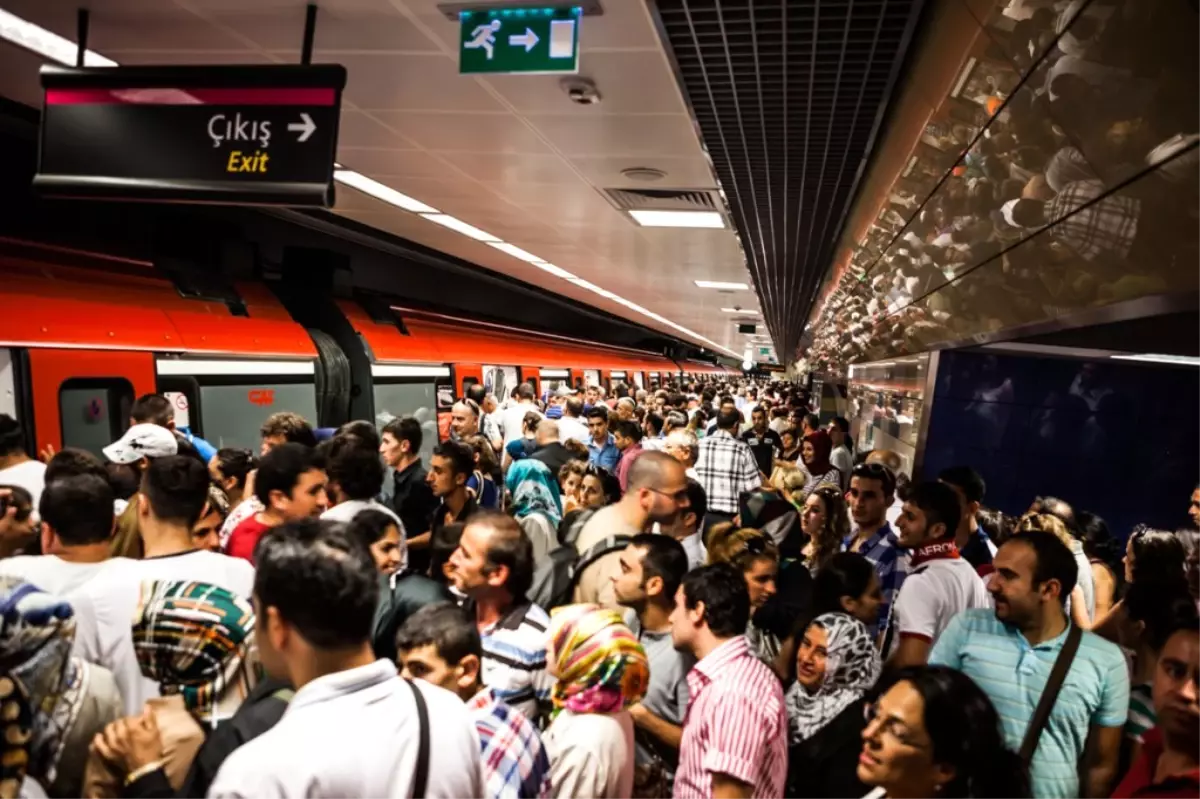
(214, 132)
(264, 133)
(222, 129)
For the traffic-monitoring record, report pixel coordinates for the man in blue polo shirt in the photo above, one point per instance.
(602, 446)
(1009, 653)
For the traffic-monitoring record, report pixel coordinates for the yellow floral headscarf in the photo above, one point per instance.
(601, 666)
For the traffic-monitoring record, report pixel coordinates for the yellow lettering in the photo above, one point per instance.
(234, 158)
(262, 163)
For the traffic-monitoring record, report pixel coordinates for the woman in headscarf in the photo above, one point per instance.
(600, 670)
(836, 665)
(535, 501)
(52, 703)
(815, 452)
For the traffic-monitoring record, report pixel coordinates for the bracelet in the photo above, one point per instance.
(142, 771)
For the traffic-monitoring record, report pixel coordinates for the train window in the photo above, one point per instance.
(232, 415)
(416, 399)
(8, 390)
(94, 411)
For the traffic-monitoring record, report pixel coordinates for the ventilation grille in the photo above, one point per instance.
(664, 199)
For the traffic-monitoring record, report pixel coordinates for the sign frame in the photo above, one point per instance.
(483, 35)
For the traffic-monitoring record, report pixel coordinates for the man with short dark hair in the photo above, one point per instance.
(735, 738)
(841, 456)
(627, 435)
(286, 427)
(355, 473)
(764, 443)
(16, 467)
(353, 728)
(602, 446)
(440, 645)
(493, 568)
(940, 583)
(972, 542)
(512, 420)
(872, 489)
(725, 468)
(1010, 652)
(809, 424)
(652, 567)
(572, 425)
(477, 393)
(686, 529)
(450, 466)
(405, 489)
(290, 485)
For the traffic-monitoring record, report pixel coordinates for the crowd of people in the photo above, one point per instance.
(699, 590)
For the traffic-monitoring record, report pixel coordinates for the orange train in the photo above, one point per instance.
(82, 335)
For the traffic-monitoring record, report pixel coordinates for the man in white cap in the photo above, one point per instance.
(140, 443)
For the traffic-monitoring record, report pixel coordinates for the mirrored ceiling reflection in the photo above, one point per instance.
(1058, 175)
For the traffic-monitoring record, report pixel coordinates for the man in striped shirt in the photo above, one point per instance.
(734, 740)
(493, 568)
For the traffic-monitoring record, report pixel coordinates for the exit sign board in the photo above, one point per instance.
(526, 40)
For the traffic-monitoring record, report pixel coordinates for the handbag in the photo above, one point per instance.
(421, 772)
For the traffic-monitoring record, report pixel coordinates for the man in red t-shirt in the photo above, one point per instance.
(290, 484)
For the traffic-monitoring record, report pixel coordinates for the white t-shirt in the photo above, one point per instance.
(934, 593)
(512, 419)
(591, 754)
(51, 573)
(570, 427)
(113, 596)
(346, 511)
(29, 475)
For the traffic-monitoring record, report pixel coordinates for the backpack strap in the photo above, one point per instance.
(593, 553)
(421, 773)
(1041, 715)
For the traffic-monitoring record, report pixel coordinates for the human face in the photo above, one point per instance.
(807, 452)
(1018, 599)
(386, 551)
(308, 499)
(469, 561)
(425, 663)
(760, 581)
(622, 442)
(1128, 560)
(865, 608)
(836, 434)
(813, 517)
(1175, 689)
(392, 449)
(598, 427)
(914, 529)
(206, 532)
(570, 486)
(441, 477)
(897, 753)
(1194, 510)
(663, 505)
(867, 504)
(810, 658)
(627, 584)
(789, 441)
(685, 622)
(591, 492)
(759, 419)
(463, 421)
(271, 442)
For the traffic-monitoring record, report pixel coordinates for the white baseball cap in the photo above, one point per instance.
(142, 441)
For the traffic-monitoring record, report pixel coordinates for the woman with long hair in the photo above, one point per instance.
(815, 451)
(483, 483)
(848, 584)
(755, 555)
(600, 669)
(934, 732)
(1104, 554)
(826, 522)
(535, 502)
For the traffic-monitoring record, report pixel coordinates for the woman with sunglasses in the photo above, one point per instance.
(934, 733)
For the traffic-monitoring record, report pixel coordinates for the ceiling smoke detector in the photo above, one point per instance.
(643, 174)
(582, 91)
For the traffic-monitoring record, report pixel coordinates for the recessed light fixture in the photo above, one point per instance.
(707, 219)
(1151, 357)
(716, 284)
(554, 270)
(515, 251)
(47, 44)
(373, 188)
(740, 310)
(445, 220)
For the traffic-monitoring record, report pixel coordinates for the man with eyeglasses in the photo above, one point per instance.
(657, 492)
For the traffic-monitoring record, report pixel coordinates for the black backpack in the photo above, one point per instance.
(554, 581)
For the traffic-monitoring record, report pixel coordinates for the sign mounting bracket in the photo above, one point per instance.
(82, 17)
(310, 31)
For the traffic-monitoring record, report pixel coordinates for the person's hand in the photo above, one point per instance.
(637, 712)
(46, 453)
(130, 743)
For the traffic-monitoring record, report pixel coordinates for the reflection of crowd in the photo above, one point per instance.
(1054, 126)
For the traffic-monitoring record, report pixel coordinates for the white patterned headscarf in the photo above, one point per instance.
(851, 668)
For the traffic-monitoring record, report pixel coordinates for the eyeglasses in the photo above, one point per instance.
(891, 727)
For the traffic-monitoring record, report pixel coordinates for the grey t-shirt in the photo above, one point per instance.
(667, 695)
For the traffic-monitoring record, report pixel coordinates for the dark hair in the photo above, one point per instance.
(1099, 543)
(697, 499)
(729, 419)
(80, 509)
(72, 462)
(320, 579)
(477, 393)
(878, 472)
(236, 463)
(966, 480)
(292, 426)
(964, 729)
(176, 487)
(445, 627)
(123, 479)
(996, 525)
(573, 407)
(21, 499)
(845, 574)
(939, 503)
(12, 437)
(370, 525)
(152, 409)
(663, 557)
(357, 470)
(1162, 607)
(405, 429)
(280, 470)
(508, 546)
(629, 429)
(461, 456)
(1054, 560)
(813, 420)
(608, 481)
(442, 543)
(480, 446)
(722, 589)
(1060, 509)
(1157, 554)
(598, 412)
(525, 391)
(655, 421)
(364, 431)
(841, 423)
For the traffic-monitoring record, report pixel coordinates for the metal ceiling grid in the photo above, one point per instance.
(788, 96)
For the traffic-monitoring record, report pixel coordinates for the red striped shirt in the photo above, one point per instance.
(735, 724)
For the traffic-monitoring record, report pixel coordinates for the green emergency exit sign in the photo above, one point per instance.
(519, 39)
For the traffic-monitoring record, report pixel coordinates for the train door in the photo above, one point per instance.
(532, 376)
(554, 379)
(591, 377)
(500, 380)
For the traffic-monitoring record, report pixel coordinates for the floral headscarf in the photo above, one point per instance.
(600, 664)
(851, 668)
(534, 490)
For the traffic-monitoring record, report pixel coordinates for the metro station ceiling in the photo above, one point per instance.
(789, 96)
(509, 154)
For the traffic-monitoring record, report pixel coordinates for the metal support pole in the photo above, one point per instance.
(81, 35)
(310, 29)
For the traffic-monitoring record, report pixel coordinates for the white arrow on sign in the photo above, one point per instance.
(305, 126)
(527, 39)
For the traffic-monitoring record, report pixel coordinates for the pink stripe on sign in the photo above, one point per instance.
(168, 96)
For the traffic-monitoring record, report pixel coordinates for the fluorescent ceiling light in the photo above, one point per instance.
(709, 219)
(515, 252)
(716, 284)
(740, 310)
(387, 194)
(554, 270)
(445, 220)
(1150, 357)
(24, 33)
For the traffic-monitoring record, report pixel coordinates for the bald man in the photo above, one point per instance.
(657, 493)
(464, 419)
(550, 450)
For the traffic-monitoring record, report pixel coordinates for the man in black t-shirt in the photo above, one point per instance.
(764, 442)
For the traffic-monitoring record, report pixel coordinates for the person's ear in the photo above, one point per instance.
(468, 671)
(654, 586)
(143, 504)
(936, 531)
(278, 632)
(498, 577)
(696, 614)
(47, 536)
(943, 774)
(972, 508)
(278, 500)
